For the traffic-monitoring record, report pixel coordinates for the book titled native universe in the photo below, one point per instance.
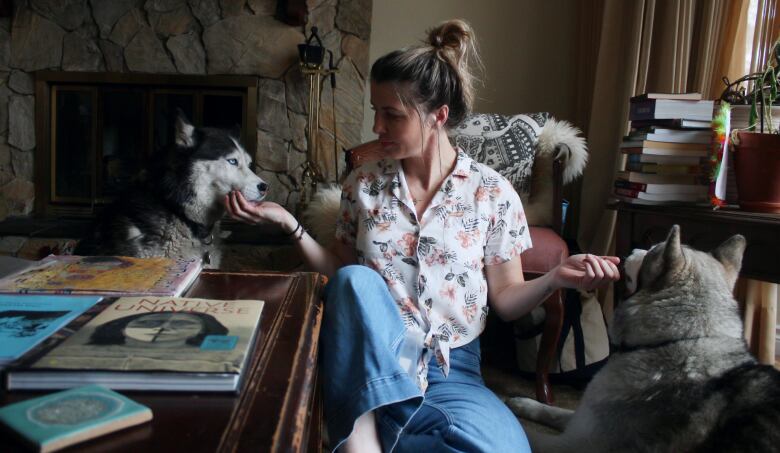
(104, 275)
(55, 421)
(152, 343)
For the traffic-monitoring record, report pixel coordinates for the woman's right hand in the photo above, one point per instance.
(264, 212)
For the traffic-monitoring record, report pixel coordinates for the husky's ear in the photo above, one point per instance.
(673, 255)
(729, 253)
(185, 132)
(235, 132)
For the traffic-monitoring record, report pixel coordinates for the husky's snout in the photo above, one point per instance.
(631, 266)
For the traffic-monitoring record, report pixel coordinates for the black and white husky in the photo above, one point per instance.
(682, 379)
(175, 209)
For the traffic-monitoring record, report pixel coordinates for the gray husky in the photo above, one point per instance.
(681, 379)
(176, 208)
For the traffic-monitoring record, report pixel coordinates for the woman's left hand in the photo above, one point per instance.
(586, 271)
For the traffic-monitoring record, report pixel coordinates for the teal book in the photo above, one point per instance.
(27, 320)
(61, 419)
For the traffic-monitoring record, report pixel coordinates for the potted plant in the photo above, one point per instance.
(757, 148)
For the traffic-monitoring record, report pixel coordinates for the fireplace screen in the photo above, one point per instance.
(100, 131)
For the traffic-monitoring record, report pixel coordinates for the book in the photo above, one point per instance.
(665, 169)
(633, 176)
(664, 145)
(662, 188)
(663, 151)
(672, 123)
(661, 159)
(641, 201)
(671, 136)
(58, 420)
(671, 109)
(152, 343)
(660, 196)
(10, 265)
(25, 321)
(104, 275)
(683, 96)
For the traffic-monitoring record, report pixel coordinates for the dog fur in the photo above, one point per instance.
(681, 379)
(175, 209)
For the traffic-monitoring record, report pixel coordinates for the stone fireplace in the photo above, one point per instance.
(185, 37)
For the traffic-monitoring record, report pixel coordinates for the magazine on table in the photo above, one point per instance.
(112, 276)
(26, 321)
(152, 343)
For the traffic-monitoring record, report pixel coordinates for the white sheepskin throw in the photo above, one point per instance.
(558, 140)
(563, 141)
(321, 214)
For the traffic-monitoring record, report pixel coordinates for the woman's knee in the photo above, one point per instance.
(357, 291)
(356, 275)
(351, 281)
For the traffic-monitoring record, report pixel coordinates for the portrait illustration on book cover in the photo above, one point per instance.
(154, 333)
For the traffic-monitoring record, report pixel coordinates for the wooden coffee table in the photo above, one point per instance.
(277, 409)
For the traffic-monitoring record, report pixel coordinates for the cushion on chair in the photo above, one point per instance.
(548, 251)
(507, 144)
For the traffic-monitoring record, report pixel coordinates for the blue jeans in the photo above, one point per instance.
(362, 334)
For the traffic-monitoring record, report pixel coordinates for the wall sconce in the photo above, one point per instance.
(312, 55)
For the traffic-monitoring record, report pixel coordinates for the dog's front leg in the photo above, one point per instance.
(554, 417)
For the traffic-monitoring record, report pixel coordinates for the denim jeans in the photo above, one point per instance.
(362, 334)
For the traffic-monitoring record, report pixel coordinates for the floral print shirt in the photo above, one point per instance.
(434, 265)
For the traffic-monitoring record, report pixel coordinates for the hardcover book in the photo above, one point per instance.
(649, 178)
(61, 419)
(678, 123)
(661, 159)
(678, 96)
(152, 343)
(663, 188)
(658, 109)
(27, 320)
(104, 275)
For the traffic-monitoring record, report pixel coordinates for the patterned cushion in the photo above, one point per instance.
(505, 143)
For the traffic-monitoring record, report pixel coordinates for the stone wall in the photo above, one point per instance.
(185, 37)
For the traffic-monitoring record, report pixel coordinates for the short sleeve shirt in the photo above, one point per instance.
(434, 266)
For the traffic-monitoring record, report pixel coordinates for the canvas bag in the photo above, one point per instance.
(583, 347)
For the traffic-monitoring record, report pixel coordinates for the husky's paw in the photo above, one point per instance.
(526, 407)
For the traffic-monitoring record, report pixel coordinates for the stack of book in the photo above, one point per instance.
(666, 150)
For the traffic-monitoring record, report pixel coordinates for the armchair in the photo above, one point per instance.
(538, 155)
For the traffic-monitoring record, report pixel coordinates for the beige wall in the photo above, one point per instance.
(526, 46)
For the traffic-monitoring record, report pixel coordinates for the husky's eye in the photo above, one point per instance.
(233, 161)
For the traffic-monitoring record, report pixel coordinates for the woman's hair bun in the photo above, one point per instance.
(453, 35)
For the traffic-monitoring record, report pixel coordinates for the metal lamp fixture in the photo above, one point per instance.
(312, 55)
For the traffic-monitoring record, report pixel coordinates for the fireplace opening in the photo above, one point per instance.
(97, 131)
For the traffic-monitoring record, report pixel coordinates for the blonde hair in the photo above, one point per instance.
(436, 73)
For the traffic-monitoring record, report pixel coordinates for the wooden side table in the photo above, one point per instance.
(641, 226)
(277, 408)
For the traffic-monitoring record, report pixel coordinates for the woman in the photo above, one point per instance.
(437, 235)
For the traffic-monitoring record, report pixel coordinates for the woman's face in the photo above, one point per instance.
(163, 328)
(398, 126)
